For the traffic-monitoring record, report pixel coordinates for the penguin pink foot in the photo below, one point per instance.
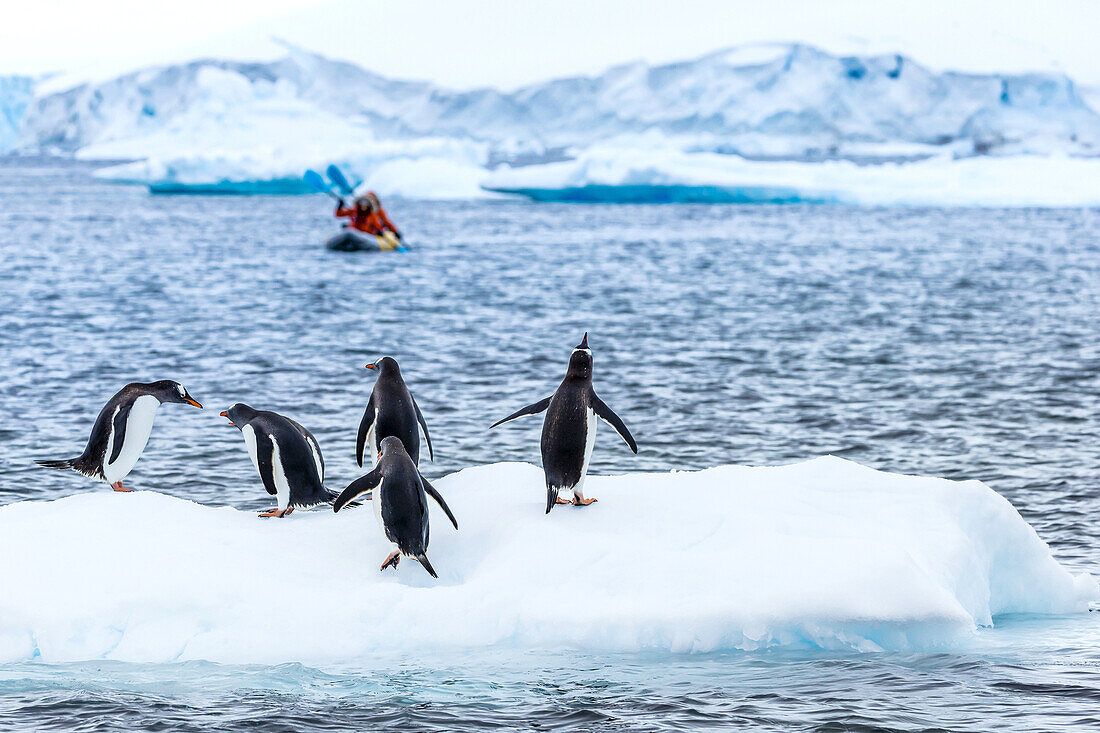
(582, 501)
(560, 500)
(276, 513)
(393, 559)
(117, 486)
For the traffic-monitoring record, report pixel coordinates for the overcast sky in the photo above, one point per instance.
(506, 43)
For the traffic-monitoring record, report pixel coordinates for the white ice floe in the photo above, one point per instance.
(823, 554)
(623, 174)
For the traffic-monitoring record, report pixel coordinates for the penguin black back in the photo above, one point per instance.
(282, 449)
(569, 429)
(404, 504)
(400, 502)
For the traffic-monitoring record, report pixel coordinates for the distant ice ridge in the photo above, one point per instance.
(824, 554)
(212, 121)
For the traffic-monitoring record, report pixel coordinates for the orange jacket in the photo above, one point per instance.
(374, 222)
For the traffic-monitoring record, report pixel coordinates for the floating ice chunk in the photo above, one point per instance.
(822, 554)
(620, 174)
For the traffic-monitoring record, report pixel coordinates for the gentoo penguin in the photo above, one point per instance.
(400, 503)
(569, 430)
(122, 430)
(391, 410)
(286, 455)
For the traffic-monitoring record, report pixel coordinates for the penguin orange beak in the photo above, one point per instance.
(371, 366)
(193, 402)
(225, 414)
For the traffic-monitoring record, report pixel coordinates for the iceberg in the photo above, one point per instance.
(16, 93)
(670, 176)
(825, 554)
(748, 124)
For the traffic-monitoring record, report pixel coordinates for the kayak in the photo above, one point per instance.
(351, 240)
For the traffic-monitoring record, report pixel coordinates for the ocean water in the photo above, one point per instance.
(954, 342)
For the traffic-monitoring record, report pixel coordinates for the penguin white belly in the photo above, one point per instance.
(250, 443)
(135, 434)
(376, 499)
(282, 486)
(372, 440)
(589, 444)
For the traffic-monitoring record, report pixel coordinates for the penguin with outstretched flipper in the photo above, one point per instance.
(569, 429)
(400, 501)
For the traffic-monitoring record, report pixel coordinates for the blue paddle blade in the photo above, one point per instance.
(337, 177)
(314, 179)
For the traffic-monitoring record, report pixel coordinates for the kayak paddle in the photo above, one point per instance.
(314, 179)
(337, 177)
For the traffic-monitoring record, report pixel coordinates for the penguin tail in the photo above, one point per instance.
(551, 498)
(82, 464)
(332, 496)
(423, 560)
(66, 464)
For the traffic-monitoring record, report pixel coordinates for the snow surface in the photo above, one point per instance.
(823, 554)
(724, 117)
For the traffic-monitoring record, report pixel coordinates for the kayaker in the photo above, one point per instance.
(367, 215)
(380, 217)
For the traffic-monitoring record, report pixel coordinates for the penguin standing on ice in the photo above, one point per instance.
(391, 410)
(121, 431)
(400, 503)
(286, 455)
(569, 430)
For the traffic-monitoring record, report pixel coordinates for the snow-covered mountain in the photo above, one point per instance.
(212, 120)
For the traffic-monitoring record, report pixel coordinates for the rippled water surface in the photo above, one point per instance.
(960, 343)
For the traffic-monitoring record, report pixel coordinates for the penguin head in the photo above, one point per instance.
(385, 366)
(391, 445)
(168, 391)
(239, 414)
(580, 361)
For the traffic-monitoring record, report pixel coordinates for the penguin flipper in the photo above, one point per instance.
(119, 428)
(529, 410)
(432, 492)
(357, 488)
(364, 428)
(608, 415)
(424, 427)
(314, 447)
(265, 455)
